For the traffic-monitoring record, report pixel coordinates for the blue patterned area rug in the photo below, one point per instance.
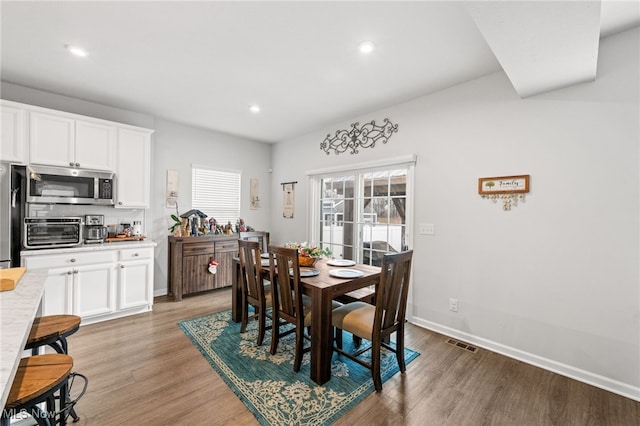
(267, 384)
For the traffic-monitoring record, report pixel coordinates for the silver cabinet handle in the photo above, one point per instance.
(119, 203)
(71, 163)
(69, 272)
(136, 254)
(72, 260)
(121, 266)
(77, 164)
(75, 271)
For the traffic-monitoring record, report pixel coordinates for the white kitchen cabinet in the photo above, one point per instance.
(86, 291)
(13, 142)
(81, 284)
(95, 283)
(95, 146)
(93, 290)
(58, 292)
(51, 139)
(60, 140)
(135, 278)
(133, 174)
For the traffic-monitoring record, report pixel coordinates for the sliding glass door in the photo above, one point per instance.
(361, 215)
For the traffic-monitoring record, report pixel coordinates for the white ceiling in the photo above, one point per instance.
(203, 63)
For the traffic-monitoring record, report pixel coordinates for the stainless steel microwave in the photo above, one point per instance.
(61, 185)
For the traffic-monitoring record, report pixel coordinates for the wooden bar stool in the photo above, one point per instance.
(37, 380)
(52, 330)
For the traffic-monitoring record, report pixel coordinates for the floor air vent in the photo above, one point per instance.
(462, 345)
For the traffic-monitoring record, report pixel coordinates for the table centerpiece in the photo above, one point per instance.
(308, 255)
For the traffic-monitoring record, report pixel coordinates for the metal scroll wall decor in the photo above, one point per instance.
(364, 136)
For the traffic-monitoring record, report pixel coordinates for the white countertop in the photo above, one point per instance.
(18, 308)
(90, 247)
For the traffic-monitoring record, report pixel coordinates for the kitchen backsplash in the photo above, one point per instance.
(112, 216)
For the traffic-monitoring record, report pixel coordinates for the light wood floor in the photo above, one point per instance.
(143, 370)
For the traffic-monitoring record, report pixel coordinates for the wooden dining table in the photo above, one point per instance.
(322, 289)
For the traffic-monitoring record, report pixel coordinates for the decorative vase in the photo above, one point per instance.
(307, 261)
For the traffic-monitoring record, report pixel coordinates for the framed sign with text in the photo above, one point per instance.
(503, 185)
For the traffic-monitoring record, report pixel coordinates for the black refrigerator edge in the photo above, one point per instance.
(12, 213)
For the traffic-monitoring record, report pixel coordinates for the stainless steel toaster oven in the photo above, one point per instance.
(49, 232)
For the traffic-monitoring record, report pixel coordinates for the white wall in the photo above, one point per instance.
(554, 281)
(177, 147)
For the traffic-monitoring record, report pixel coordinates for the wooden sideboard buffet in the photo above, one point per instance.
(189, 259)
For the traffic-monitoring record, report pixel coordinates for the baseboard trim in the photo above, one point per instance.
(620, 388)
(158, 293)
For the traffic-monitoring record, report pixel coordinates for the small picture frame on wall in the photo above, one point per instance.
(503, 185)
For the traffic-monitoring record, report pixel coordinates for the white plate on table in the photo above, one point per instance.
(341, 262)
(306, 272)
(345, 273)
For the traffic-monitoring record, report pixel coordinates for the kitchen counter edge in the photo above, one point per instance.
(18, 308)
(84, 248)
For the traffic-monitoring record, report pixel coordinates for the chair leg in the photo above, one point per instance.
(262, 320)
(338, 338)
(275, 333)
(357, 341)
(297, 362)
(245, 315)
(400, 349)
(375, 366)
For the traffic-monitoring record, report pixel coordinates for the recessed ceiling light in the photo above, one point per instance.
(366, 47)
(78, 51)
(254, 108)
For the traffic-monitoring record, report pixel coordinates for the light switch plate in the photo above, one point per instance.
(427, 229)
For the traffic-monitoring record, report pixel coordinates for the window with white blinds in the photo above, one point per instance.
(216, 193)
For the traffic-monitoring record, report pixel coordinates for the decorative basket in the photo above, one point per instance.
(307, 261)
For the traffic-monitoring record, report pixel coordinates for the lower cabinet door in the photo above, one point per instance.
(195, 273)
(58, 292)
(135, 284)
(94, 290)
(225, 267)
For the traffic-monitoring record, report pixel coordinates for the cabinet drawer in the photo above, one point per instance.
(70, 259)
(135, 254)
(197, 248)
(227, 245)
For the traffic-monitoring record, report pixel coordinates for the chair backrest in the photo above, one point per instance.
(251, 270)
(392, 292)
(260, 236)
(285, 276)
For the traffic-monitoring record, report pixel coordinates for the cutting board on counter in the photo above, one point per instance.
(118, 239)
(9, 278)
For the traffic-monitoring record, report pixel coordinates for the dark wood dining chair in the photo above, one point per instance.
(287, 300)
(254, 291)
(260, 236)
(377, 323)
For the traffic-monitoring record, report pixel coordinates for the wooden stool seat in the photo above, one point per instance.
(36, 376)
(52, 330)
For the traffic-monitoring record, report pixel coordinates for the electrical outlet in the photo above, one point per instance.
(453, 305)
(427, 229)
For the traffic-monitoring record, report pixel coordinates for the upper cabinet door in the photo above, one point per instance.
(95, 146)
(51, 139)
(133, 174)
(13, 143)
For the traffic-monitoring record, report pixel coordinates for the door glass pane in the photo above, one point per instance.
(364, 222)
